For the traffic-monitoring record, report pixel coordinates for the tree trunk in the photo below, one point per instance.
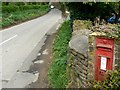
(119, 10)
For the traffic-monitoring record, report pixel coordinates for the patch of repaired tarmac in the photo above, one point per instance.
(41, 65)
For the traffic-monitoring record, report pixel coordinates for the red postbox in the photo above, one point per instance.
(104, 57)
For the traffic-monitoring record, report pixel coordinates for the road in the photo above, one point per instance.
(19, 42)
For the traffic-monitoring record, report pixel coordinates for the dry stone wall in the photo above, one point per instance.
(79, 67)
(117, 54)
(81, 63)
(91, 59)
(78, 47)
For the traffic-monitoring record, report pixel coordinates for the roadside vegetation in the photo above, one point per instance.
(57, 73)
(112, 81)
(14, 13)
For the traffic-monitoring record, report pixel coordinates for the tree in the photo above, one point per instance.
(90, 10)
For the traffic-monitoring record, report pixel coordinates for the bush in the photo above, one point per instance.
(7, 22)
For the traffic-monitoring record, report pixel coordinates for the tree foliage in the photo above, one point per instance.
(90, 10)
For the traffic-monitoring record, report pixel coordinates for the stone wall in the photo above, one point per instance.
(91, 57)
(81, 63)
(79, 67)
(117, 54)
(78, 61)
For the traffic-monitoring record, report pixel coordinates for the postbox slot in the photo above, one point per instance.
(105, 49)
(104, 46)
(104, 56)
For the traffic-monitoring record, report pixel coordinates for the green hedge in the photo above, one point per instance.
(14, 8)
(15, 14)
(10, 8)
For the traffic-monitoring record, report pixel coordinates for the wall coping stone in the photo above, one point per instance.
(79, 44)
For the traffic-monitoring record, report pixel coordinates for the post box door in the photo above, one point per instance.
(104, 57)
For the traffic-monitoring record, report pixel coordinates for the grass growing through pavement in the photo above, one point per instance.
(57, 73)
(11, 18)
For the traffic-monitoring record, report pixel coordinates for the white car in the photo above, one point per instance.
(51, 6)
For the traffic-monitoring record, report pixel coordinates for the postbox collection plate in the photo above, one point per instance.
(103, 63)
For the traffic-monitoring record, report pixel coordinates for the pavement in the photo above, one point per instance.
(19, 46)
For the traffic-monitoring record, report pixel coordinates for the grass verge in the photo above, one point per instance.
(57, 73)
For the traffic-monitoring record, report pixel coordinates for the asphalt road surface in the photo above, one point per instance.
(20, 43)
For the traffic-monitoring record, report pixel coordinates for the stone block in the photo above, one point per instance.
(90, 76)
(80, 73)
(73, 77)
(82, 78)
(79, 83)
(73, 52)
(80, 69)
(116, 54)
(82, 65)
(91, 48)
(81, 56)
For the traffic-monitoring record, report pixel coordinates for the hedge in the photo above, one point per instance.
(14, 8)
